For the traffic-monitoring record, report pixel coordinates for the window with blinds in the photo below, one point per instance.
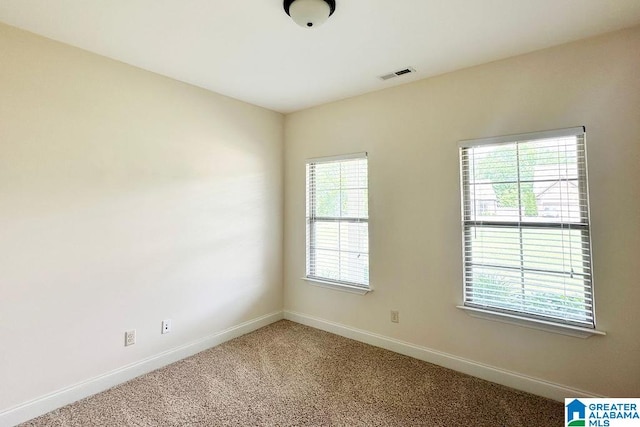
(338, 220)
(525, 217)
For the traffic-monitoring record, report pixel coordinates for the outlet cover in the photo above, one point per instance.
(166, 326)
(130, 338)
(395, 316)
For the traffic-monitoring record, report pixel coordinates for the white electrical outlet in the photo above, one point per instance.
(130, 338)
(395, 316)
(166, 326)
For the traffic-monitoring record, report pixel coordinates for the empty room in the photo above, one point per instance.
(319, 213)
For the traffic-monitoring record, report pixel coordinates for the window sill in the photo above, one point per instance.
(338, 286)
(573, 331)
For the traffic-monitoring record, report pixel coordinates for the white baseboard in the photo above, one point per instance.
(490, 373)
(62, 397)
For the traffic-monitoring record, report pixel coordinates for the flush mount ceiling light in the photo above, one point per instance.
(309, 13)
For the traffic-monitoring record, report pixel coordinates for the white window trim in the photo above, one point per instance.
(328, 284)
(514, 319)
(510, 139)
(337, 286)
(327, 159)
(541, 325)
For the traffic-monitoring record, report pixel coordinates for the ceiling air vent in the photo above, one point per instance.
(397, 73)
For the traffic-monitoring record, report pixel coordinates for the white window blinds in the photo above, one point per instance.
(338, 220)
(525, 216)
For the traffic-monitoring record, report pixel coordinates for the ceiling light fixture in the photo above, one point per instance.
(309, 13)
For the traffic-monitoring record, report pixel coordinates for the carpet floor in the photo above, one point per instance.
(287, 374)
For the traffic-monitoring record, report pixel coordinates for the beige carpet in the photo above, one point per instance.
(288, 374)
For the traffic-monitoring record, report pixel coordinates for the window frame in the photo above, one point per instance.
(311, 219)
(524, 318)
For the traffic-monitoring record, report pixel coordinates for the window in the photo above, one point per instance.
(338, 221)
(525, 220)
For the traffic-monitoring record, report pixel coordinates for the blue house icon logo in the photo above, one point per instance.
(576, 413)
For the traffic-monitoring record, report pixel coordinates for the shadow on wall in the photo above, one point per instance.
(201, 252)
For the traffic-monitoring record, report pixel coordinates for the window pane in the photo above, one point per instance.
(354, 203)
(354, 268)
(354, 173)
(327, 203)
(327, 264)
(327, 235)
(529, 293)
(494, 163)
(353, 237)
(494, 288)
(528, 181)
(499, 246)
(551, 159)
(557, 250)
(327, 176)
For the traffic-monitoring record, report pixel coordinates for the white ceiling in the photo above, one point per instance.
(251, 50)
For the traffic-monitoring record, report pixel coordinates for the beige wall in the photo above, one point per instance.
(411, 134)
(125, 198)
